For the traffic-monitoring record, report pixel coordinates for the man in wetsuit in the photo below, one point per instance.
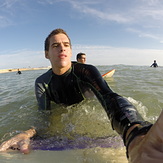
(81, 58)
(67, 83)
(154, 64)
(19, 72)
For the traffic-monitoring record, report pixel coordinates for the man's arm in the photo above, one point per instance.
(41, 95)
(124, 117)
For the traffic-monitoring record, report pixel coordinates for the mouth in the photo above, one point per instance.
(62, 56)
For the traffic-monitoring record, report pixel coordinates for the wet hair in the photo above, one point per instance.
(54, 32)
(78, 56)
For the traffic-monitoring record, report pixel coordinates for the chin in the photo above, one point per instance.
(63, 64)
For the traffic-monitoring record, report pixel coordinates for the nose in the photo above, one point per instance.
(62, 47)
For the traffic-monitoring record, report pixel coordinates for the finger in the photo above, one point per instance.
(6, 145)
(24, 146)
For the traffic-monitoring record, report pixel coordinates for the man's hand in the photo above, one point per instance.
(20, 142)
(148, 148)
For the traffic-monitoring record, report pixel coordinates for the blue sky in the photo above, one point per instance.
(110, 32)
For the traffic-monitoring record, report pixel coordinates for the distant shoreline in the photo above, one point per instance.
(22, 69)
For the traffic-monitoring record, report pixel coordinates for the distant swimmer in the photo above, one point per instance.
(19, 72)
(81, 58)
(154, 64)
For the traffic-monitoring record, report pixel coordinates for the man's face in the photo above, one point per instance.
(60, 51)
(82, 59)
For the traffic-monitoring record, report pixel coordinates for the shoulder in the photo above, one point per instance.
(83, 66)
(44, 77)
(85, 69)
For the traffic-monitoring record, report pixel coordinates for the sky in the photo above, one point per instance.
(110, 32)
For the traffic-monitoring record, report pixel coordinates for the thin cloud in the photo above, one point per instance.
(117, 17)
(133, 12)
(7, 3)
(102, 9)
(4, 22)
(104, 12)
(6, 12)
(10, 9)
(145, 34)
(23, 58)
(126, 12)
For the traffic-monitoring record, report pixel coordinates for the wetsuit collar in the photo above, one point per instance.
(65, 74)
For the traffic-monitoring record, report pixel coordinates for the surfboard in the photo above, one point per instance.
(109, 73)
(83, 142)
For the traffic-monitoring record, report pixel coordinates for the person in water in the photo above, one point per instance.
(154, 64)
(81, 58)
(67, 83)
(19, 72)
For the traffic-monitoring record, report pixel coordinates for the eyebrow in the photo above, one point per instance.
(65, 42)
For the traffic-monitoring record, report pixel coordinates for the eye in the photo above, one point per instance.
(67, 44)
(55, 45)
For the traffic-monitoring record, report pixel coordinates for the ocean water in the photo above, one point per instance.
(141, 85)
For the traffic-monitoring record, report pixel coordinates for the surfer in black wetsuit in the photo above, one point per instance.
(154, 64)
(19, 72)
(71, 87)
(67, 83)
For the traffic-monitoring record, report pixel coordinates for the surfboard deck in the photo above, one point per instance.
(55, 144)
(109, 73)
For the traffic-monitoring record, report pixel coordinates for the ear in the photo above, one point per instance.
(46, 55)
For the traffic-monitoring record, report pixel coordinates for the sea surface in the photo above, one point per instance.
(141, 85)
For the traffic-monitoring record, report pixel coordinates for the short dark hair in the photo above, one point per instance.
(54, 32)
(78, 56)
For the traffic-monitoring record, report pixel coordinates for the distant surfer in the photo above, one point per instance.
(66, 83)
(19, 72)
(154, 64)
(81, 58)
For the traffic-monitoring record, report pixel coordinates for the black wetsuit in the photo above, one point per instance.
(154, 65)
(72, 87)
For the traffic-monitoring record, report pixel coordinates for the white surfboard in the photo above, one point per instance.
(109, 73)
